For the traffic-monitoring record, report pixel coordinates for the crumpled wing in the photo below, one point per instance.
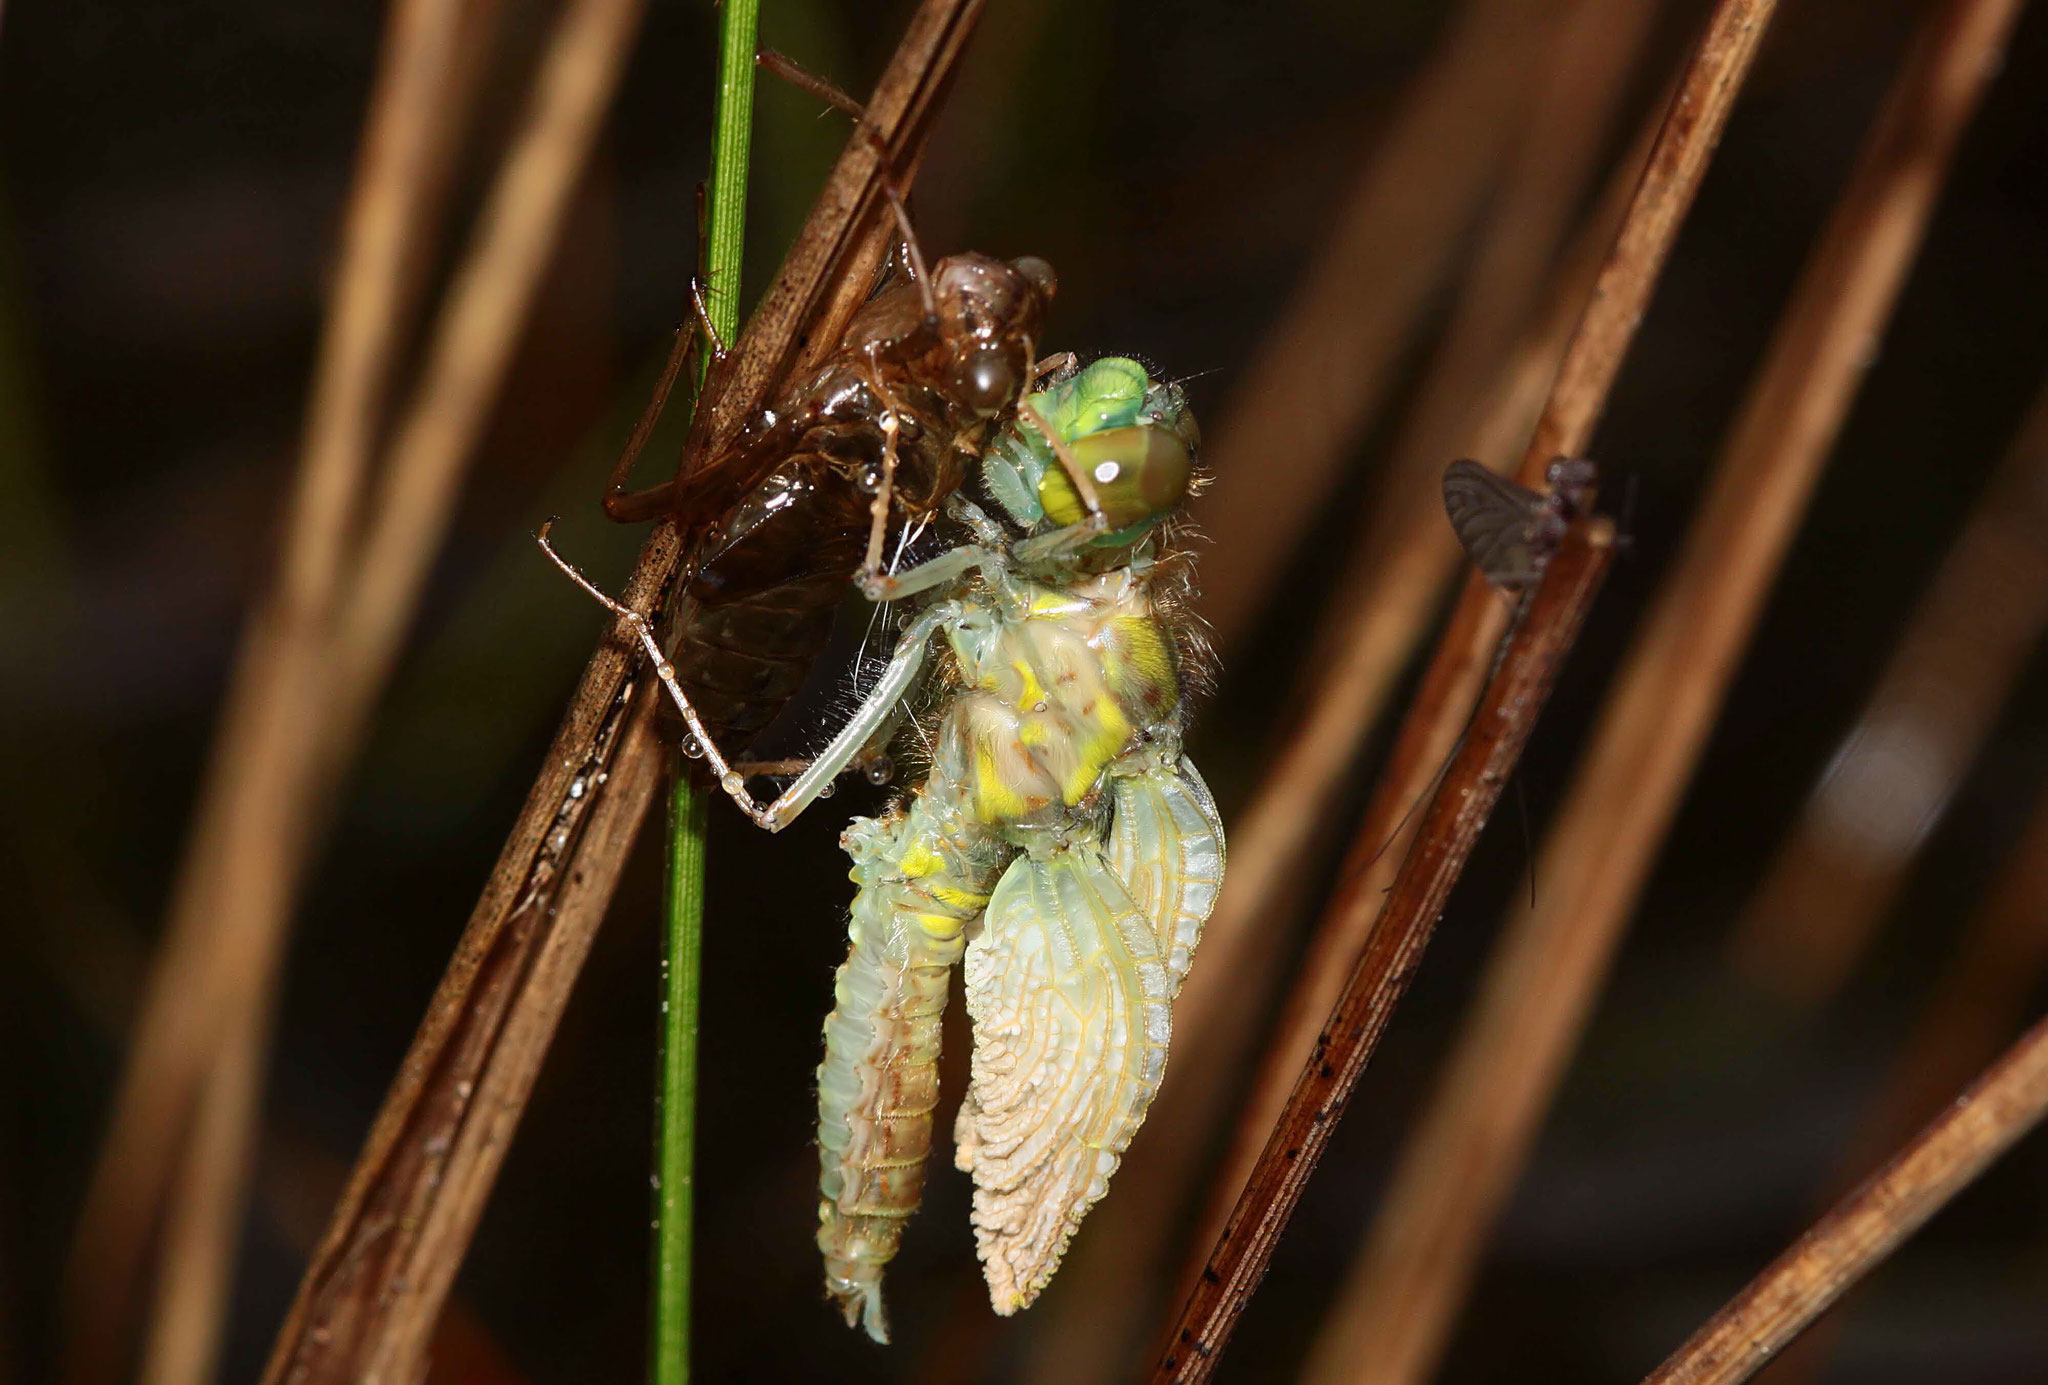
(1071, 1021)
(1166, 846)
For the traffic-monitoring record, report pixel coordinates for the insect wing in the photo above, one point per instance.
(1166, 846)
(1070, 1004)
(1497, 521)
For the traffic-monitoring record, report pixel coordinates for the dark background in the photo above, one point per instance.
(171, 180)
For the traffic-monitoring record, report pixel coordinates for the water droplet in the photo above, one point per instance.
(731, 782)
(880, 770)
(827, 789)
(692, 747)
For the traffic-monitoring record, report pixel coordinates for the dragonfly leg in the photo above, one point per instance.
(805, 80)
(879, 587)
(729, 779)
(1057, 364)
(985, 530)
(878, 509)
(1084, 484)
(905, 666)
(631, 507)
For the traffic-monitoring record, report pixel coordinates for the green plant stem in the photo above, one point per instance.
(689, 800)
(676, 1082)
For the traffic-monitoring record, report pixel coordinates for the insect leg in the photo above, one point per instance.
(631, 507)
(1074, 535)
(729, 779)
(878, 509)
(704, 322)
(896, 683)
(1060, 364)
(882, 586)
(803, 79)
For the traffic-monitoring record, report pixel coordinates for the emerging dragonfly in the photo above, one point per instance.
(887, 426)
(1060, 842)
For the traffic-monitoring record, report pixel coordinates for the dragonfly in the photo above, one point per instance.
(1060, 847)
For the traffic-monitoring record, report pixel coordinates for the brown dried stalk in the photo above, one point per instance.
(467, 359)
(1981, 1124)
(371, 1295)
(1980, 999)
(401, 182)
(1451, 824)
(1462, 1159)
(1407, 556)
(1272, 822)
(1677, 159)
(1860, 831)
(1328, 361)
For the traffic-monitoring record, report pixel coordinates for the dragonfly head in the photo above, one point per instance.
(1133, 437)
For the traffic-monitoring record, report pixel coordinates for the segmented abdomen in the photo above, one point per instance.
(924, 874)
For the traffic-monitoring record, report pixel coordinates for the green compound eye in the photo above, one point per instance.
(1139, 473)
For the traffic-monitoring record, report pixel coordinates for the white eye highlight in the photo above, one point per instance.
(1105, 472)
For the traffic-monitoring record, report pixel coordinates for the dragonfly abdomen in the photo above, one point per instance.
(924, 875)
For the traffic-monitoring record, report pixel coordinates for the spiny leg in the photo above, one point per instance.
(956, 562)
(728, 779)
(879, 587)
(882, 704)
(805, 80)
(878, 509)
(1084, 484)
(1051, 365)
(632, 507)
(890, 689)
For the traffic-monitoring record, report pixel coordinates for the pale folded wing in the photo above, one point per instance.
(1166, 845)
(1070, 1004)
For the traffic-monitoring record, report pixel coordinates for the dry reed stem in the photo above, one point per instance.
(1865, 1227)
(1890, 779)
(1407, 555)
(1327, 362)
(1516, 398)
(370, 1296)
(1980, 998)
(1462, 1158)
(203, 1221)
(1450, 825)
(468, 355)
(1686, 133)
(401, 179)
(474, 339)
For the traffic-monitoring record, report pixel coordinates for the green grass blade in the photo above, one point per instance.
(676, 1091)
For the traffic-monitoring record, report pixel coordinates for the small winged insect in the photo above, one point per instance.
(1509, 531)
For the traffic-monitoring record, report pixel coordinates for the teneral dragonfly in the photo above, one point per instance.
(1060, 843)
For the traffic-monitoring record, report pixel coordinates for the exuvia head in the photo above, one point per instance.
(991, 315)
(1133, 438)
